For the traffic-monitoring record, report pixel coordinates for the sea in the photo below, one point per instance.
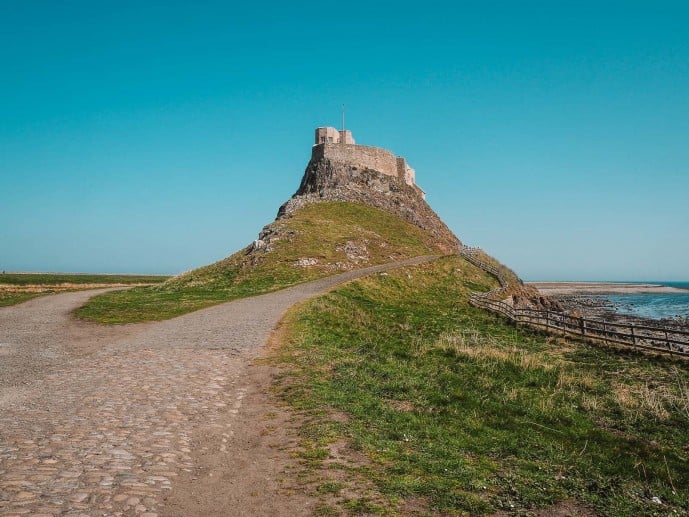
(653, 305)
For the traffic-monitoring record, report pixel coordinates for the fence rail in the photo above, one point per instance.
(639, 336)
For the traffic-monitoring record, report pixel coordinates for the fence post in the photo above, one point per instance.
(605, 333)
(631, 327)
(582, 325)
(667, 341)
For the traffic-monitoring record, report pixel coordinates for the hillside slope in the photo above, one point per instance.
(417, 403)
(328, 180)
(317, 240)
(314, 241)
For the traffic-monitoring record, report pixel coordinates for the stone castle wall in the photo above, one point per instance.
(330, 135)
(361, 156)
(339, 147)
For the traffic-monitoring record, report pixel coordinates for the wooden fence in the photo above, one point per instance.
(639, 336)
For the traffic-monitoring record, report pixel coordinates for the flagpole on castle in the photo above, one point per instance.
(343, 115)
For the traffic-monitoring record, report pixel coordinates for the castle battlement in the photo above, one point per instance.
(339, 146)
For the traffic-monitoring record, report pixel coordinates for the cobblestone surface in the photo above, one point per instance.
(97, 421)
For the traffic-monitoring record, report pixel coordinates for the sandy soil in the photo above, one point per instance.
(591, 288)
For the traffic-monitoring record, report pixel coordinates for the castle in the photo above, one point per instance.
(341, 171)
(339, 146)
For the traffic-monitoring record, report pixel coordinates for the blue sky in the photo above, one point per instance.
(155, 137)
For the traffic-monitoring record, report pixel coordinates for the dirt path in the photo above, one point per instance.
(144, 419)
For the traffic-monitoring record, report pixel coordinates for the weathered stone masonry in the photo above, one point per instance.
(361, 156)
(339, 147)
(330, 135)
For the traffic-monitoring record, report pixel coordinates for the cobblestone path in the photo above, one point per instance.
(97, 420)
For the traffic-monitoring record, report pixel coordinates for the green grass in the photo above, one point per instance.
(7, 299)
(321, 232)
(457, 411)
(19, 287)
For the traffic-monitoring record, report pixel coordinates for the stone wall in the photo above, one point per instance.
(359, 156)
(327, 135)
(405, 172)
(330, 135)
(346, 137)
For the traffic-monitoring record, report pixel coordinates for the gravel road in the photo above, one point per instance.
(98, 420)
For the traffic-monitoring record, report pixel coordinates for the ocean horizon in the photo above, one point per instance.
(668, 283)
(681, 285)
(652, 305)
(646, 305)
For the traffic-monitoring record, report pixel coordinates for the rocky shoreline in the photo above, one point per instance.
(583, 298)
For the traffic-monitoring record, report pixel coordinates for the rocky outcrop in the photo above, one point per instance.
(327, 180)
(527, 297)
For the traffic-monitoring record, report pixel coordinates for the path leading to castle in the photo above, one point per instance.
(166, 418)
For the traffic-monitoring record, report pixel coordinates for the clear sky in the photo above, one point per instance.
(155, 137)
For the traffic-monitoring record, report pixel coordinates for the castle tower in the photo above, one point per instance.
(346, 137)
(330, 135)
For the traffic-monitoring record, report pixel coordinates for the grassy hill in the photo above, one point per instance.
(416, 403)
(317, 240)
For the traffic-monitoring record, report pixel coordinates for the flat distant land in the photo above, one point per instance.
(578, 288)
(18, 287)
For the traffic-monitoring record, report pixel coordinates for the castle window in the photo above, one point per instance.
(330, 139)
(322, 139)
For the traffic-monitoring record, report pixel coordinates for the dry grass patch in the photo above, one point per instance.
(474, 344)
(648, 399)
